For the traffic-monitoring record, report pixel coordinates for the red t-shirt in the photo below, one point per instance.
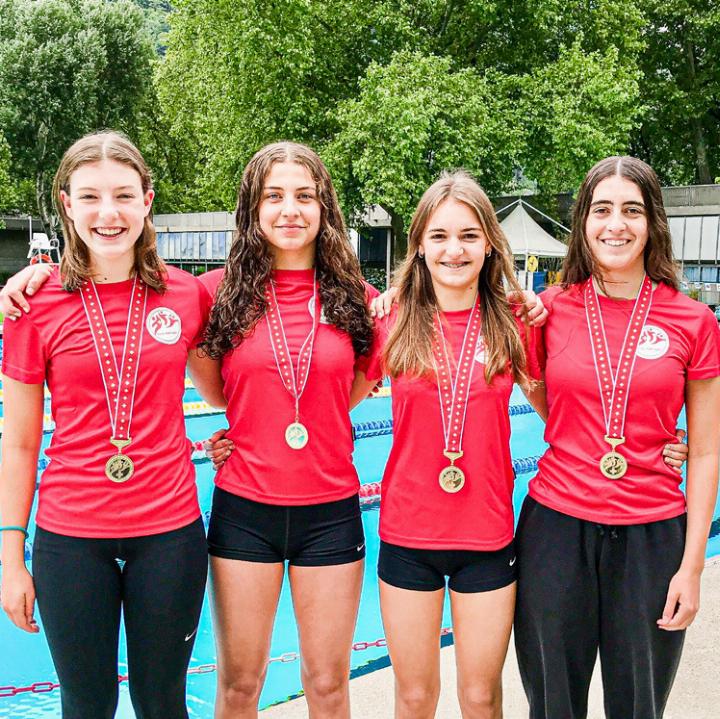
(415, 511)
(263, 467)
(53, 344)
(680, 341)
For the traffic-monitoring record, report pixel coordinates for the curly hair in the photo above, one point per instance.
(240, 297)
(75, 262)
(580, 262)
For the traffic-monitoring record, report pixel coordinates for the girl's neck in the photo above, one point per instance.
(300, 260)
(452, 299)
(621, 284)
(118, 269)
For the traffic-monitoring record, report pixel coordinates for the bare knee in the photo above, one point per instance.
(325, 686)
(481, 700)
(417, 700)
(240, 690)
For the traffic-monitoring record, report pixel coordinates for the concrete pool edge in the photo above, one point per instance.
(696, 693)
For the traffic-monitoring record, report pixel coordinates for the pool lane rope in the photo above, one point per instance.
(286, 658)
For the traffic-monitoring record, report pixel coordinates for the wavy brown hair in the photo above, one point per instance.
(408, 349)
(240, 297)
(75, 262)
(659, 262)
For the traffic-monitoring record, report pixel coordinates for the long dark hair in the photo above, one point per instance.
(75, 262)
(408, 349)
(659, 262)
(240, 297)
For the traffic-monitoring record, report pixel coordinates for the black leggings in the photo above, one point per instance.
(81, 584)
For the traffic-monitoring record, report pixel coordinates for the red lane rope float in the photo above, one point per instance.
(42, 259)
(286, 658)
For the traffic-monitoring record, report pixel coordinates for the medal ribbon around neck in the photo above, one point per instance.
(296, 434)
(614, 387)
(453, 393)
(119, 382)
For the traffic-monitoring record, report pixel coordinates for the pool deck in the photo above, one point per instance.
(696, 694)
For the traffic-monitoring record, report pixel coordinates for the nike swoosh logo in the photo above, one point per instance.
(359, 549)
(512, 561)
(188, 637)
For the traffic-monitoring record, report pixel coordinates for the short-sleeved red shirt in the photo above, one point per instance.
(53, 344)
(263, 467)
(679, 342)
(414, 510)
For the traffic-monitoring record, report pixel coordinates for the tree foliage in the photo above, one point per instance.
(67, 67)
(393, 91)
(680, 132)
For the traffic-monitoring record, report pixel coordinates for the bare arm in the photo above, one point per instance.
(361, 388)
(538, 399)
(205, 374)
(22, 435)
(702, 402)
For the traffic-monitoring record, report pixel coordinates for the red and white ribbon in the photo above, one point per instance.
(453, 392)
(120, 381)
(615, 386)
(294, 380)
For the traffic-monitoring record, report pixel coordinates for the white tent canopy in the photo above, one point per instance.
(527, 238)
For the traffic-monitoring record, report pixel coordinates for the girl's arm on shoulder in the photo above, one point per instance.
(26, 282)
(537, 397)
(22, 435)
(205, 374)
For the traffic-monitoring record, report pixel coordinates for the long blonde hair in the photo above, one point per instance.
(75, 262)
(408, 349)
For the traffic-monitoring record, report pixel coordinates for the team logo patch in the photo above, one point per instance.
(164, 325)
(654, 342)
(480, 354)
(311, 310)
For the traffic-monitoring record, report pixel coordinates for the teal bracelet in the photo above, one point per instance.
(15, 529)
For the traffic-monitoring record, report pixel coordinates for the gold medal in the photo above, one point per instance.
(119, 468)
(613, 465)
(296, 435)
(452, 479)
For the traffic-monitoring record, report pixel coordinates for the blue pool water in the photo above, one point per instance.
(24, 659)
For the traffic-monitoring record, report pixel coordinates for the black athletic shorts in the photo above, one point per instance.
(425, 570)
(312, 535)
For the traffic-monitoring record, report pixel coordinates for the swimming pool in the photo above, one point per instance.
(25, 660)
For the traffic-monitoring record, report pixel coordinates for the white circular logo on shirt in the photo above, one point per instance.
(311, 310)
(654, 342)
(164, 325)
(480, 354)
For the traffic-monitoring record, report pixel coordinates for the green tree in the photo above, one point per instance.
(680, 132)
(67, 67)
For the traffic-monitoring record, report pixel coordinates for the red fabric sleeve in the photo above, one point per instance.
(705, 357)
(24, 351)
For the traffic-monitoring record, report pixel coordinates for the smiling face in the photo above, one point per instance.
(616, 227)
(289, 215)
(108, 207)
(454, 246)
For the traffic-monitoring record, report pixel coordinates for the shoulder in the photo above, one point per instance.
(370, 292)
(557, 294)
(210, 280)
(50, 296)
(683, 307)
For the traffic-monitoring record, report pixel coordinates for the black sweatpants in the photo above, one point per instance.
(81, 585)
(582, 587)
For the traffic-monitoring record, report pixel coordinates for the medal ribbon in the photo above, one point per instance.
(119, 382)
(453, 392)
(294, 380)
(615, 386)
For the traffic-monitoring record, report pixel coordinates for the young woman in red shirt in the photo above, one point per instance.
(610, 550)
(118, 522)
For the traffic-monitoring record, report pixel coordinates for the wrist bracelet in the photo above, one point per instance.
(10, 528)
